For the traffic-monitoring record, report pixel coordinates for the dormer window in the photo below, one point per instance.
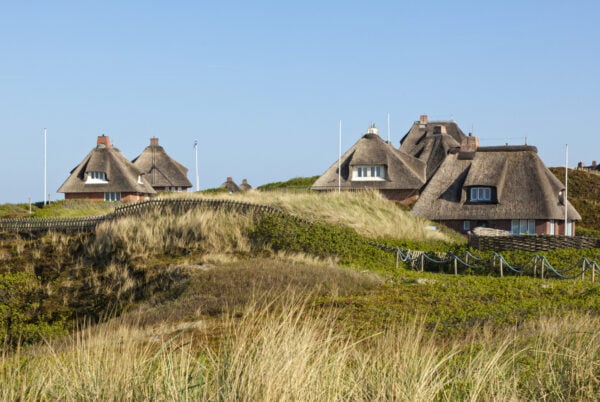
(96, 178)
(480, 194)
(368, 173)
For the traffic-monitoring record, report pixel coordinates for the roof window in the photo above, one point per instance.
(96, 178)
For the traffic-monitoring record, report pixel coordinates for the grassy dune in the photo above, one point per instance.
(367, 212)
(285, 351)
(208, 305)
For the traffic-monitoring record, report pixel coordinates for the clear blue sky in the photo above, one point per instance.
(262, 85)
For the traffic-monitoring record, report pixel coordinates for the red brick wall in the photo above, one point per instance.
(125, 197)
(542, 227)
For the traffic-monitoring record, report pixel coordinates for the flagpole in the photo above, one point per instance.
(340, 160)
(45, 166)
(197, 178)
(566, 184)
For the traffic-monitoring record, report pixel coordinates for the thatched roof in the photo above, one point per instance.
(161, 170)
(403, 172)
(524, 187)
(121, 175)
(230, 185)
(245, 186)
(430, 141)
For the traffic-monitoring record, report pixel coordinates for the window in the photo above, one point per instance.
(112, 196)
(479, 194)
(96, 178)
(569, 228)
(522, 226)
(551, 227)
(375, 172)
(466, 226)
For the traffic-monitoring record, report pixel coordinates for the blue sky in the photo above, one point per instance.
(263, 85)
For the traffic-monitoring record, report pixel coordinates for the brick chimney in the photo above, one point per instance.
(580, 165)
(230, 180)
(103, 141)
(594, 164)
(154, 142)
(468, 147)
(423, 119)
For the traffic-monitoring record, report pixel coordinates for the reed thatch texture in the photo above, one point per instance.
(430, 141)
(403, 171)
(525, 188)
(161, 170)
(121, 175)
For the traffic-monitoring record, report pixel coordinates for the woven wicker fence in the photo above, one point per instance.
(530, 243)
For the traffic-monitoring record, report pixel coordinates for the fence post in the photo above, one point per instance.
(583, 270)
(455, 265)
(535, 260)
(397, 257)
(593, 273)
(501, 268)
(543, 263)
(422, 262)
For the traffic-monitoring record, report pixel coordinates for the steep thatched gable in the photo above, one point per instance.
(430, 141)
(119, 175)
(161, 170)
(402, 171)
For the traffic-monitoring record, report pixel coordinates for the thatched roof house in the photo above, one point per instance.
(372, 163)
(430, 141)
(245, 186)
(505, 187)
(230, 186)
(105, 174)
(163, 172)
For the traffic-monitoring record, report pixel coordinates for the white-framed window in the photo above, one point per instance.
(522, 226)
(481, 194)
(466, 226)
(112, 196)
(551, 227)
(96, 178)
(375, 172)
(569, 228)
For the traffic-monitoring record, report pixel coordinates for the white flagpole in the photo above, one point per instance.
(340, 160)
(45, 166)
(197, 177)
(388, 128)
(566, 184)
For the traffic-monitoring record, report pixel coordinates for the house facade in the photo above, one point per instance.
(106, 175)
(163, 172)
(372, 163)
(507, 188)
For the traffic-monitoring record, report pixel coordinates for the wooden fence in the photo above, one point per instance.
(530, 243)
(86, 224)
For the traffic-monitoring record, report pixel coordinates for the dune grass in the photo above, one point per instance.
(367, 212)
(285, 351)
